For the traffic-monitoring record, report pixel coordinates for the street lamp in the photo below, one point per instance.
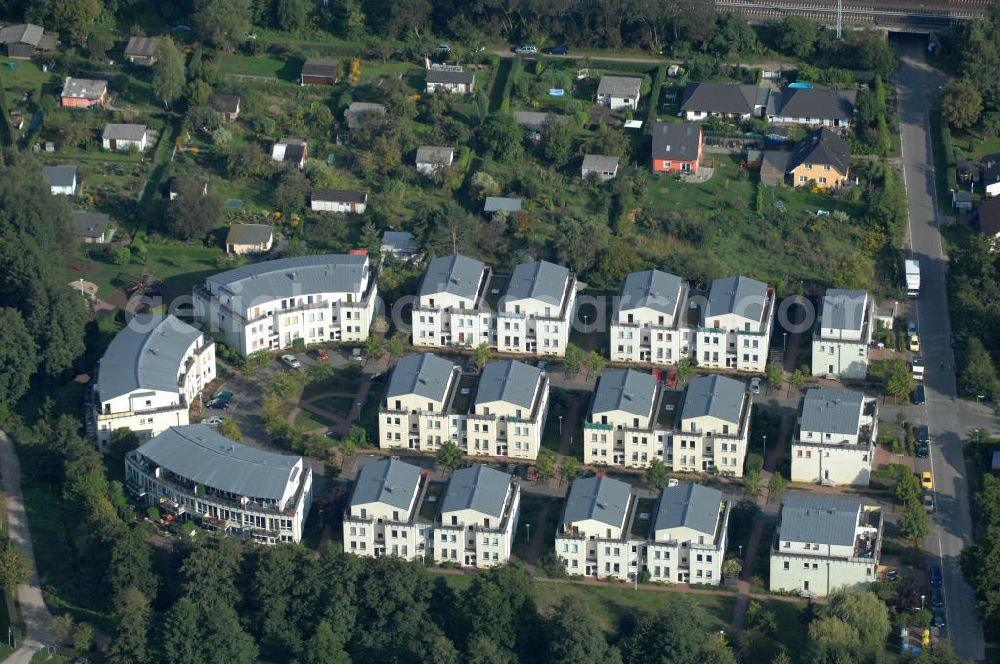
(560, 425)
(979, 397)
(528, 527)
(741, 552)
(765, 446)
(922, 597)
(784, 342)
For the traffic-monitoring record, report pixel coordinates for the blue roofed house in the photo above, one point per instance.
(648, 323)
(193, 472)
(462, 303)
(687, 538)
(477, 518)
(148, 377)
(594, 537)
(387, 515)
(713, 429)
(825, 542)
(417, 409)
(271, 304)
(835, 440)
(736, 321)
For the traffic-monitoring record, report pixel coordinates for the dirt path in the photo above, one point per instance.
(29, 595)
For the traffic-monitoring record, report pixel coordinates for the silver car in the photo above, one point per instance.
(291, 361)
(526, 48)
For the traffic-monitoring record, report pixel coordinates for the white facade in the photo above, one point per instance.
(384, 516)
(193, 472)
(836, 438)
(430, 159)
(149, 376)
(619, 92)
(843, 335)
(430, 402)
(462, 304)
(687, 539)
(625, 426)
(124, 143)
(825, 543)
(269, 305)
(648, 324)
(736, 322)
(713, 429)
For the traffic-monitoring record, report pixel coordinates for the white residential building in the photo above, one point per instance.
(193, 471)
(736, 321)
(824, 543)
(461, 303)
(429, 402)
(478, 518)
(714, 427)
(269, 305)
(125, 137)
(835, 443)
(687, 537)
(61, 179)
(149, 375)
(626, 424)
(594, 537)
(387, 513)
(602, 166)
(454, 82)
(843, 334)
(338, 200)
(619, 92)
(649, 324)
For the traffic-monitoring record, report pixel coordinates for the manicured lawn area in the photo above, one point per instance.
(311, 421)
(610, 602)
(339, 405)
(260, 65)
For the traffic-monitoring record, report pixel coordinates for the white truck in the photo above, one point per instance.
(912, 278)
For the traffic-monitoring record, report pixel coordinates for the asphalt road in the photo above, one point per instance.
(951, 528)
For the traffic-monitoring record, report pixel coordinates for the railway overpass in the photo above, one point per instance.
(891, 15)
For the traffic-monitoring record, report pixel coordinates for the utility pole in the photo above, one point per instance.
(840, 17)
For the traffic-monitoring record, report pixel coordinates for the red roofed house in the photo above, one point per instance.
(676, 147)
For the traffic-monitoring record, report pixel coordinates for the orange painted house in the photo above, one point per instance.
(676, 147)
(83, 93)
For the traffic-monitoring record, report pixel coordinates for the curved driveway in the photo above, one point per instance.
(951, 527)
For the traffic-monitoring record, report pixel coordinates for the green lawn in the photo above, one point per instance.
(311, 421)
(612, 601)
(339, 405)
(260, 65)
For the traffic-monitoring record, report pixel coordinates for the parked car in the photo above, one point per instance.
(927, 480)
(923, 450)
(672, 482)
(219, 404)
(755, 386)
(936, 579)
(321, 354)
(937, 597)
(213, 421)
(531, 474)
(891, 575)
(526, 48)
(911, 328)
(561, 49)
(928, 502)
(923, 434)
(938, 620)
(914, 343)
(291, 361)
(919, 396)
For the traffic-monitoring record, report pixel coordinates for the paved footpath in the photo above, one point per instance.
(29, 596)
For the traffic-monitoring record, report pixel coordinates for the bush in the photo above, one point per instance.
(153, 513)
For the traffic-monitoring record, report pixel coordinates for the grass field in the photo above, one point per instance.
(610, 602)
(260, 65)
(311, 421)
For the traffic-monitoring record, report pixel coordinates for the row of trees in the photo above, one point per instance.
(981, 562)
(974, 287)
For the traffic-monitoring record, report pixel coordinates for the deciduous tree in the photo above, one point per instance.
(914, 523)
(450, 456)
(14, 567)
(961, 103)
(657, 474)
(168, 71)
(573, 358)
(130, 642)
(18, 360)
(576, 638)
(193, 213)
(222, 22)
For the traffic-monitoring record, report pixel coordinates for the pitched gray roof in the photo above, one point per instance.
(320, 67)
(90, 224)
(450, 77)
(628, 390)
(693, 506)
(676, 141)
(84, 88)
(339, 195)
(60, 176)
(832, 411)
(197, 452)
(729, 98)
(22, 33)
(425, 375)
(456, 274)
(254, 234)
(656, 290)
(715, 396)
(497, 203)
(819, 519)
(599, 162)
(144, 47)
(813, 103)
(735, 295)
(619, 86)
(844, 309)
(511, 381)
(388, 481)
(224, 103)
(301, 275)
(400, 241)
(356, 110)
(434, 155)
(822, 146)
(538, 280)
(531, 118)
(599, 498)
(478, 488)
(124, 132)
(146, 355)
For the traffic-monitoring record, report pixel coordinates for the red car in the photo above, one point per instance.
(670, 379)
(322, 354)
